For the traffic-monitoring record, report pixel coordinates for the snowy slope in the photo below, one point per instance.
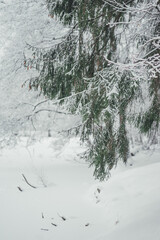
(125, 207)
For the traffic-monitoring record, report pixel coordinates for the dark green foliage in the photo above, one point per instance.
(78, 72)
(103, 152)
(77, 67)
(149, 121)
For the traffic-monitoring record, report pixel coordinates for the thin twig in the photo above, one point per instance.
(20, 189)
(54, 224)
(28, 182)
(63, 218)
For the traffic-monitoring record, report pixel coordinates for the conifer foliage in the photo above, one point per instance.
(84, 73)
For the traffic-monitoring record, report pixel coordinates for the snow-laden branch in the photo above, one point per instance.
(145, 8)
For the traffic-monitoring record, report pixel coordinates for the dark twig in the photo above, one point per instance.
(20, 189)
(63, 218)
(86, 225)
(28, 182)
(54, 224)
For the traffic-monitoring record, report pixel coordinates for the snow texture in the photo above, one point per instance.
(68, 203)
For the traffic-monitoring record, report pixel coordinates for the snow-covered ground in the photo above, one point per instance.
(67, 203)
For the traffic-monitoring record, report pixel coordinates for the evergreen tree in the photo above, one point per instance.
(79, 71)
(149, 120)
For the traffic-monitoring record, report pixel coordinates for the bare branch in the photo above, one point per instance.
(35, 106)
(51, 110)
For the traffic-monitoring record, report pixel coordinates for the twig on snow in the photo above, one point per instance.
(63, 218)
(28, 182)
(86, 225)
(54, 224)
(20, 189)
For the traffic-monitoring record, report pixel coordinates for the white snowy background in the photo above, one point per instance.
(67, 203)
